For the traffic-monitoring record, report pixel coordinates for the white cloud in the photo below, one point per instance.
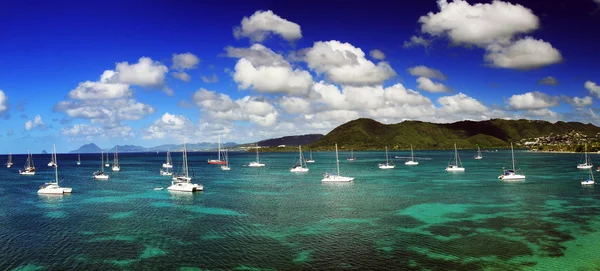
(295, 105)
(146, 73)
(532, 101)
(183, 76)
(461, 103)
(377, 54)
(416, 41)
(170, 126)
(543, 114)
(210, 79)
(82, 130)
(106, 112)
(577, 101)
(549, 80)
(593, 88)
(423, 71)
(168, 91)
(346, 64)
(99, 90)
(523, 54)
(185, 61)
(263, 23)
(427, 85)
(267, 72)
(3, 102)
(36, 123)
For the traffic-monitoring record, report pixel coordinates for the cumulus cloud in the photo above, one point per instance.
(423, 71)
(345, 64)
(532, 101)
(377, 54)
(264, 23)
(185, 61)
(183, 76)
(170, 126)
(90, 90)
(210, 79)
(549, 81)
(461, 103)
(426, 84)
(85, 130)
(578, 102)
(416, 41)
(265, 71)
(145, 73)
(523, 54)
(593, 88)
(3, 103)
(295, 105)
(36, 123)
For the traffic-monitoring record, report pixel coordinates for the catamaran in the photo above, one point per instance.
(78, 159)
(387, 164)
(511, 174)
(588, 162)
(52, 162)
(256, 163)
(226, 166)
(310, 159)
(9, 162)
(107, 164)
(100, 175)
(412, 161)
(457, 165)
(29, 166)
(53, 187)
(352, 157)
(336, 177)
(183, 182)
(301, 165)
(218, 161)
(116, 166)
(590, 179)
(478, 156)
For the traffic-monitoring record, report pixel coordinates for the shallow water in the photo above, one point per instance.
(408, 218)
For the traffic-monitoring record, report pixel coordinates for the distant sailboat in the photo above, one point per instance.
(478, 156)
(182, 182)
(52, 162)
(218, 161)
(310, 159)
(387, 164)
(78, 159)
(256, 163)
(9, 162)
(412, 161)
(511, 174)
(301, 165)
(107, 164)
(29, 166)
(226, 166)
(116, 166)
(588, 163)
(169, 163)
(352, 158)
(100, 175)
(590, 180)
(457, 165)
(53, 187)
(336, 177)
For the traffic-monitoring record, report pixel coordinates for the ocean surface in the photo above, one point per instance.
(408, 218)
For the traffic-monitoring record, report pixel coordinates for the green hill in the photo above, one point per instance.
(367, 134)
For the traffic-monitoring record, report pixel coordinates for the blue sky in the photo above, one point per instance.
(289, 68)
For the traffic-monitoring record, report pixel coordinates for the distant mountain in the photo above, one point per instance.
(362, 134)
(127, 148)
(44, 152)
(290, 140)
(88, 148)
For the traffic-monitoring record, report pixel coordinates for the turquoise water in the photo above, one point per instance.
(409, 218)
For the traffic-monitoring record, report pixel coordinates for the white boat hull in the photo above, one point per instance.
(584, 166)
(516, 177)
(337, 179)
(587, 182)
(455, 169)
(299, 169)
(185, 187)
(166, 173)
(167, 166)
(225, 168)
(116, 169)
(27, 173)
(55, 190)
(478, 157)
(107, 165)
(51, 164)
(255, 164)
(411, 163)
(381, 166)
(310, 161)
(78, 163)
(181, 179)
(101, 177)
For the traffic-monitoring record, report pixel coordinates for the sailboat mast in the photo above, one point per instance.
(455, 155)
(512, 151)
(257, 159)
(412, 154)
(337, 160)
(55, 164)
(219, 148)
(185, 162)
(386, 156)
(586, 156)
(102, 160)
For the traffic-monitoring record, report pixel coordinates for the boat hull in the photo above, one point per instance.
(101, 177)
(299, 169)
(26, 173)
(167, 166)
(116, 169)
(185, 187)
(310, 161)
(455, 169)
(217, 162)
(411, 163)
(588, 182)
(225, 168)
(478, 157)
(515, 177)
(381, 166)
(255, 164)
(337, 179)
(584, 166)
(166, 173)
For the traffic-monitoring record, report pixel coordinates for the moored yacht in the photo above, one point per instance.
(387, 164)
(226, 167)
(335, 177)
(590, 179)
(478, 156)
(116, 166)
(182, 181)
(588, 163)
(29, 168)
(100, 175)
(412, 161)
(256, 163)
(9, 162)
(301, 165)
(511, 174)
(219, 160)
(457, 165)
(310, 159)
(53, 187)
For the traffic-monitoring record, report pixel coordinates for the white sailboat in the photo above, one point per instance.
(352, 157)
(256, 163)
(588, 163)
(301, 165)
(29, 166)
(310, 159)
(590, 180)
(218, 161)
(387, 164)
(226, 166)
(412, 161)
(336, 177)
(9, 162)
(100, 175)
(182, 182)
(478, 156)
(107, 164)
(52, 162)
(511, 174)
(167, 166)
(53, 187)
(116, 166)
(78, 159)
(457, 165)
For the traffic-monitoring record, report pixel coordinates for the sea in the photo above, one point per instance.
(408, 218)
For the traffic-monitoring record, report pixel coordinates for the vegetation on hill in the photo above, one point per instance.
(368, 134)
